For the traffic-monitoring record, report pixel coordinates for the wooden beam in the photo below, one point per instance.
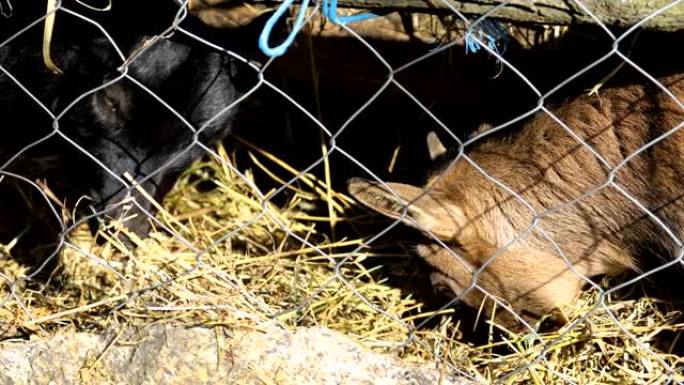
(618, 13)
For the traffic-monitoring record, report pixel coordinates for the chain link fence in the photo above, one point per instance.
(247, 236)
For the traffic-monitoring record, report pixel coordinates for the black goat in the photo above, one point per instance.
(107, 117)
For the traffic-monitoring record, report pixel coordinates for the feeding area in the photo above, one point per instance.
(193, 169)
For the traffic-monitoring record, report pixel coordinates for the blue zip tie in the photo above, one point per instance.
(329, 11)
(270, 23)
(490, 33)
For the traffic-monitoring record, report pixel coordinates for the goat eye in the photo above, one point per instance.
(113, 102)
(109, 108)
(109, 103)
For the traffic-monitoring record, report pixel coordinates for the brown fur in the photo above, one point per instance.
(599, 234)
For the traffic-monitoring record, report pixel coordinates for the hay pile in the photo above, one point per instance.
(241, 267)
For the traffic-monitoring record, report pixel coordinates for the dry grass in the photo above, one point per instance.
(250, 261)
(237, 261)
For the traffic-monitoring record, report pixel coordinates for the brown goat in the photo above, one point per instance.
(552, 171)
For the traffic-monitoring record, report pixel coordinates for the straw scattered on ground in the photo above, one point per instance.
(237, 260)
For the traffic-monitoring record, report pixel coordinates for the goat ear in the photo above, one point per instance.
(435, 146)
(418, 208)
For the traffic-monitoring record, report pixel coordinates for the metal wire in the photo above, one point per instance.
(334, 137)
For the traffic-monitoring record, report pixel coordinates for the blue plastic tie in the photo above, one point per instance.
(270, 23)
(490, 33)
(329, 11)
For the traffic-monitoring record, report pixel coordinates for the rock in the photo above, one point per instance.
(163, 354)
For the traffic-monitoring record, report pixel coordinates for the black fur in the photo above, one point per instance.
(122, 127)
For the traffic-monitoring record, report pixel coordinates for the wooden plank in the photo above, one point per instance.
(619, 13)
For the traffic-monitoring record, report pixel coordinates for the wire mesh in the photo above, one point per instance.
(159, 290)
